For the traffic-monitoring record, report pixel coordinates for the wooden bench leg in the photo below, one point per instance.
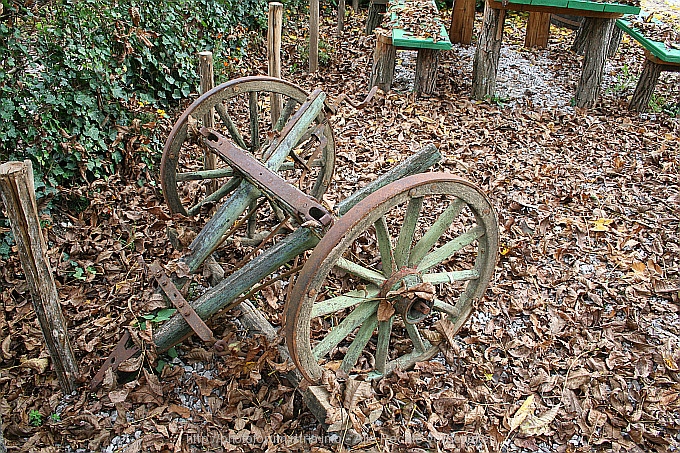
(538, 30)
(462, 21)
(595, 55)
(375, 16)
(426, 71)
(485, 66)
(645, 87)
(617, 35)
(384, 58)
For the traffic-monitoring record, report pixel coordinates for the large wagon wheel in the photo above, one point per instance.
(250, 111)
(415, 251)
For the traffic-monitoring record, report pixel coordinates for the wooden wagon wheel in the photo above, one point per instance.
(251, 111)
(417, 250)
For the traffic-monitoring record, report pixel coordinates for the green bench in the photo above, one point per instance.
(387, 44)
(658, 59)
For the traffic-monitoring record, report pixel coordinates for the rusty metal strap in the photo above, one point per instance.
(120, 354)
(185, 309)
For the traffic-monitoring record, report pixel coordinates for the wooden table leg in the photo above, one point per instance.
(485, 66)
(376, 9)
(595, 55)
(462, 21)
(426, 71)
(538, 30)
(384, 58)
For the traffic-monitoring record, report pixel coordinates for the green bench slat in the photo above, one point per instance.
(402, 38)
(657, 48)
(583, 5)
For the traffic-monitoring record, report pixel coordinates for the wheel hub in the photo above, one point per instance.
(412, 298)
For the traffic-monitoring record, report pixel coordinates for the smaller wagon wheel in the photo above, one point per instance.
(250, 111)
(418, 250)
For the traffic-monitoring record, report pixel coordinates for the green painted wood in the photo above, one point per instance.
(360, 271)
(450, 277)
(336, 335)
(403, 248)
(619, 8)
(521, 2)
(585, 5)
(223, 191)
(440, 226)
(222, 296)
(657, 48)
(448, 249)
(384, 246)
(349, 299)
(419, 343)
(359, 343)
(447, 308)
(383, 346)
(553, 3)
(401, 38)
(231, 127)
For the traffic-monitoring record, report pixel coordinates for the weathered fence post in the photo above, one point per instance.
(16, 185)
(205, 71)
(341, 17)
(275, 25)
(313, 35)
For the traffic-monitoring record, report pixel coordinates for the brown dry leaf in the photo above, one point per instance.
(538, 425)
(355, 393)
(526, 409)
(385, 310)
(39, 365)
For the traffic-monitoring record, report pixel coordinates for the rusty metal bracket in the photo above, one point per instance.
(270, 183)
(120, 354)
(185, 309)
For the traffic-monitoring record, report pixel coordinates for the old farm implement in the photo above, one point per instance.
(372, 276)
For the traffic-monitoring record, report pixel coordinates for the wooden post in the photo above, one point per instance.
(376, 9)
(596, 49)
(426, 71)
(583, 35)
(355, 5)
(617, 35)
(205, 71)
(384, 56)
(16, 185)
(274, 53)
(313, 35)
(645, 87)
(485, 66)
(538, 30)
(341, 17)
(462, 21)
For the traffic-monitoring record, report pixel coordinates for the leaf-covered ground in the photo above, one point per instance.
(576, 346)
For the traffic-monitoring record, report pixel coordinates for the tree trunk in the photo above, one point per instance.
(645, 87)
(614, 42)
(375, 16)
(341, 17)
(18, 193)
(596, 50)
(485, 66)
(583, 35)
(426, 71)
(382, 74)
(538, 30)
(462, 21)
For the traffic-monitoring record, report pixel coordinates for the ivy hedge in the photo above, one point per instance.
(79, 79)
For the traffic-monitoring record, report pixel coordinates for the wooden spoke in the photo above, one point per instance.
(449, 309)
(347, 300)
(360, 314)
(438, 278)
(439, 227)
(254, 110)
(285, 114)
(359, 343)
(384, 246)
(220, 193)
(205, 174)
(419, 343)
(360, 271)
(231, 127)
(403, 247)
(382, 348)
(437, 256)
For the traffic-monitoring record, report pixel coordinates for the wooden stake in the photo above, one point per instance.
(462, 21)
(426, 71)
(341, 17)
(16, 185)
(205, 71)
(376, 10)
(384, 56)
(313, 35)
(274, 53)
(595, 54)
(538, 30)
